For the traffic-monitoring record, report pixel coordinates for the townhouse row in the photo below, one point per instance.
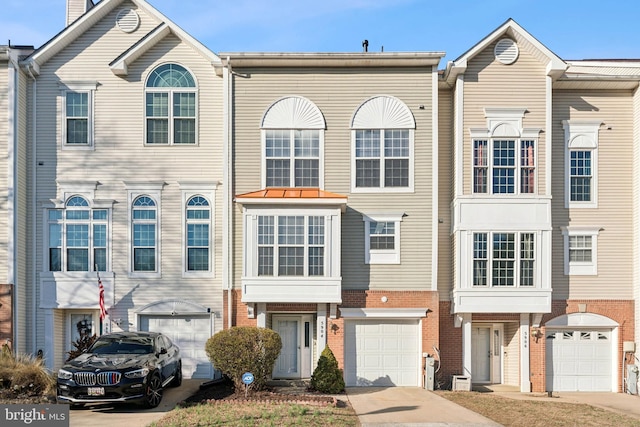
(483, 214)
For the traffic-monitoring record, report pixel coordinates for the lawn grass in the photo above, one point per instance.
(234, 413)
(537, 413)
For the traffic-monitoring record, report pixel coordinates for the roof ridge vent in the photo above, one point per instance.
(506, 51)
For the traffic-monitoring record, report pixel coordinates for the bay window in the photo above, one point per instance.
(503, 259)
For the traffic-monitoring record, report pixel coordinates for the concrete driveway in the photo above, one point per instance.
(130, 415)
(415, 406)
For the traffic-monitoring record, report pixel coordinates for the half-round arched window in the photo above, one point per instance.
(170, 106)
(382, 131)
(293, 140)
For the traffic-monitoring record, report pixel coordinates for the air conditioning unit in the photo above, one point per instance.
(461, 383)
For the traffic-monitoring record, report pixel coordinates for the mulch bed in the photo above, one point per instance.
(225, 391)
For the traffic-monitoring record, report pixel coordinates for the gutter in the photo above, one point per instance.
(34, 300)
(227, 168)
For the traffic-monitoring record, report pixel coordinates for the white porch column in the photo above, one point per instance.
(321, 328)
(525, 368)
(48, 349)
(466, 345)
(261, 316)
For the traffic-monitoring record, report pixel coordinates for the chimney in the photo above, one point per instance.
(77, 8)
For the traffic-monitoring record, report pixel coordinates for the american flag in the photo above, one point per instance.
(103, 311)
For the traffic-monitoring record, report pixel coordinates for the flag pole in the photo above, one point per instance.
(103, 312)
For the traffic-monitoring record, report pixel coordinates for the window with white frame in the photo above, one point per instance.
(291, 245)
(77, 114)
(292, 157)
(382, 146)
(503, 259)
(77, 237)
(171, 106)
(504, 166)
(581, 162)
(198, 234)
(292, 141)
(144, 234)
(580, 250)
(382, 238)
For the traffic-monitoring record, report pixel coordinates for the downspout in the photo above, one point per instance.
(227, 167)
(34, 172)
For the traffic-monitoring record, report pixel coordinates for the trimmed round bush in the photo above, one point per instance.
(243, 349)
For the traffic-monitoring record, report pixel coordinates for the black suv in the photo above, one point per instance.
(122, 367)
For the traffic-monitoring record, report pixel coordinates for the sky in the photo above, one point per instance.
(572, 29)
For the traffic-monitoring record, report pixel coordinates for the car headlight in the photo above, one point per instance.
(138, 373)
(64, 375)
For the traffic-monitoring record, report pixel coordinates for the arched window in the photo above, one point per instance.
(171, 106)
(382, 131)
(198, 241)
(77, 237)
(145, 225)
(293, 137)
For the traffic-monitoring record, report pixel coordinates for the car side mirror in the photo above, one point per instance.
(163, 350)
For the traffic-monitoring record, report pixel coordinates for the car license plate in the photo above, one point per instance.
(95, 391)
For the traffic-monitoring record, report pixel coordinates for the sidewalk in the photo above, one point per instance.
(409, 406)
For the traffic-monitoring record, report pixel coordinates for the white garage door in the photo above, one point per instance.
(578, 360)
(190, 333)
(382, 352)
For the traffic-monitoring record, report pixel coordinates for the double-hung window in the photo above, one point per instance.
(581, 162)
(503, 259)
(580, 250)
(292, 157)
(292, 143)
(291, 245)
(144, 227)
(171, 106)
(382, 154)
(77, 114)
(504, 166)
(77, 237)
(382, 238)
(198, 235)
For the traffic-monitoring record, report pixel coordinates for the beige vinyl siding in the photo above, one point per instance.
(120, 156)
(488, 83)
(445, 191)
(4, 193)
(338, 93)
(615, 195)
(511, 363)
(61, 339)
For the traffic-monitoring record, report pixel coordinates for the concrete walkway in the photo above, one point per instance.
(409, 406)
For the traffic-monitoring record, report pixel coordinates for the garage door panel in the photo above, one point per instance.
(190, 333)
(382, 352)
(579, 360)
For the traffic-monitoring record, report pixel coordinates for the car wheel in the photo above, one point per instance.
(153, 392)
(177, 379)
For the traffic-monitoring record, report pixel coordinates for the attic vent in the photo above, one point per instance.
(128, 20)
(506, 51)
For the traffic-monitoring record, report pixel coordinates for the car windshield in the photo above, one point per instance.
(122, 346)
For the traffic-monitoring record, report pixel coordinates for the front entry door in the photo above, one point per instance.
(481, 362)
(294, 360)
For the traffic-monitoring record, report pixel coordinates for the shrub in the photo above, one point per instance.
(327, 377)
(243, 349)
(24, 375)
(81, 345)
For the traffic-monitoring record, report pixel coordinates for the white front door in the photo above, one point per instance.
(481, 362)
(294, 360)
